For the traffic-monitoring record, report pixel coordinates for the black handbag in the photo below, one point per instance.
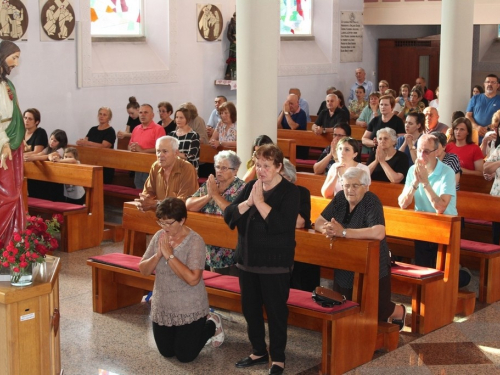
(327, 297)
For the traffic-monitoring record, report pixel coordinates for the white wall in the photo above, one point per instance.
(46, 78)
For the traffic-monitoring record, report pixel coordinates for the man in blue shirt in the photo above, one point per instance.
(303, 104)
(432, 184)
(292, 116)
(360, 81)
(482, 106)
(214, 118)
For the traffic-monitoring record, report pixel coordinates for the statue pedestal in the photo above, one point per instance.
(29, 323)
(226, 82)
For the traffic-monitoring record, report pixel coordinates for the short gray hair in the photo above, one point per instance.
(174, 142)
(429, 137)
(289, 170)
(234, 160)
(390, 131)
(355, 172)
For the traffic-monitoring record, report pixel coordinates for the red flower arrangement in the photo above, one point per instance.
(30, 246)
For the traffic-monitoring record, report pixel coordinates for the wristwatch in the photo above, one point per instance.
(324, 130)
(169, 258)
(344, 233)
(287, 113)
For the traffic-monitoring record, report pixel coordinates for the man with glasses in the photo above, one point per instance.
(330, 116)
(482, 106)
(432, 184)
(170, 176)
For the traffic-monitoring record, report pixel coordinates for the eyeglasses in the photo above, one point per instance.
(426, 152)
(163, 223)
(490, 82)
(223, 168)
(335, 135)
(354, 186)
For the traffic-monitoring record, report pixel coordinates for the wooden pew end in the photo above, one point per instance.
(387, 336)
(113, 232)
(466, 303)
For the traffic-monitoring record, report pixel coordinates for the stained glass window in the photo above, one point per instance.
(296, 17)
(116, 18)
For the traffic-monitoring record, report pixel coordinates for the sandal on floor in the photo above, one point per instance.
(218, 337)
(400, 322)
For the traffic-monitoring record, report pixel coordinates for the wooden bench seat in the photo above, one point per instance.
(349, 333)
(83, 225)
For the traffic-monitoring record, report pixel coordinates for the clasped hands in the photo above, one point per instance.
(420, 173)
(332, 228)
(257, 194)
(145, 202)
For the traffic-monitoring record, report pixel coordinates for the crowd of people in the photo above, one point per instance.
(404, 141)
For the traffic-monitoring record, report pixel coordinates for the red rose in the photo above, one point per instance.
(6, 264)
(23, 264)
(34, 256)
(53, 243)
(28, 232)
(5, 254)
(15, 269)
(11, 259)
(59, 218)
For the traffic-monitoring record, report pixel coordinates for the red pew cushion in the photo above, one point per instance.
(413, 271)
(54, 206)
(479, 247)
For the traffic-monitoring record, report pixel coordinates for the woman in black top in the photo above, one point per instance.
(101, 136)
(266, 214)
(165, 109)
(35, 138)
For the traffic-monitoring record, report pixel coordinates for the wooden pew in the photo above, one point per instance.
(434, 301)
(349, 338)
(471, 205)
(477, 184)
(83, 225)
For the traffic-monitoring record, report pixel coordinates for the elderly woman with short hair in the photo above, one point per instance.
(386, 163)
(212, 198)
(357, 213)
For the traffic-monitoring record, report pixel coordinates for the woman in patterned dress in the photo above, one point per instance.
(212, 198)
(225, 131)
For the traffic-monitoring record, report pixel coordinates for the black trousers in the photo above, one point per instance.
(425, 253)
(270, 291)
(385, 305)
(184, 342)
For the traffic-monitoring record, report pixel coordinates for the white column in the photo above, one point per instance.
(455, 65)
(257, 43)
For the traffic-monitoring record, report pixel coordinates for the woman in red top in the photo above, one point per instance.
(461, 144)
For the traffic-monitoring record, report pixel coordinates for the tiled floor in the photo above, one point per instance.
(121, 342)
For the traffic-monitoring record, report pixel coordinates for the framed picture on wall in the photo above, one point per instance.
(57, 20)
(209, 22)
(13, 20)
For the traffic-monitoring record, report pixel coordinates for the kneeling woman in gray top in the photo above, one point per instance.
(182, 324)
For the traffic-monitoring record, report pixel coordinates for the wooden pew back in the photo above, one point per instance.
(119, 159)
(83, 229)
